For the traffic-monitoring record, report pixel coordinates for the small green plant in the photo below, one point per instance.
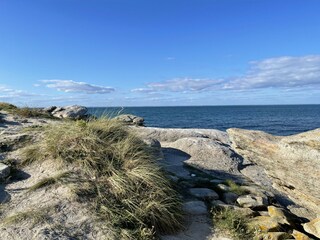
(235, 188)
(233, 222)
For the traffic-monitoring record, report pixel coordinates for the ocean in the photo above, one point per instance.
(276, 119)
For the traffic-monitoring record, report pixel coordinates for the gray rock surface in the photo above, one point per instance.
(130, 119)
(173, 134)
(70, 112)
(229, 197)
(204, 193)
(251, 201)
(209, 155)
(195, 208)
(292, 162)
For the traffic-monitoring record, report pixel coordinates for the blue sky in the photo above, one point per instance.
(159, 52)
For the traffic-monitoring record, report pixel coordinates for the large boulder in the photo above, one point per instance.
(70, 112)
(292, 162)
(211, 155)
(130, 119)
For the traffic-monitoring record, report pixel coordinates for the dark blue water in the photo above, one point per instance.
(278, 120)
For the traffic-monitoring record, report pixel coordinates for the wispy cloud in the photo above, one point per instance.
(9, 93)
(281, 73)
(180, 85)
(73, 86)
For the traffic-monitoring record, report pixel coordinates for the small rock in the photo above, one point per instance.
(4, 170)
(193, 175)
(252, 201)
(230, 197)
(278, 214)
(195, 208)
(219, 204)
(299, 235)
(223, 187)
(204, 193)
(264, 223)
(313, 227)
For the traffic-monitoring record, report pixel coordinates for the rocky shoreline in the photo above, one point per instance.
(272, 180)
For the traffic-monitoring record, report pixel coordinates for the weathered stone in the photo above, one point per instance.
(223, 187)
(252, 201)
(292, 162)
(264, 223)
(204, 193)
(70, 112)
(209, 155)
(50, 109)
(195, 208)
(230, 197)
(4, 170)
(313, 227)
(130, 119)
(278, 214)
(299, 235)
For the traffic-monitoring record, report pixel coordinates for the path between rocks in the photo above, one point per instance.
(198, 224)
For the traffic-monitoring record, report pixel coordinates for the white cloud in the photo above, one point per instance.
(180, 85)
(72, 86)
(281, 73)
(8, 93)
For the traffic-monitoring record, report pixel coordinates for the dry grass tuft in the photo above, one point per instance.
(117, 175)
(35, 216)
(45, 182)
(233, 222)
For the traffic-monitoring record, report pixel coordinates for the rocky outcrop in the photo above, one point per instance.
(209, 155)
(292, 162)
(130, 119)
(69, 112)
(174, 134)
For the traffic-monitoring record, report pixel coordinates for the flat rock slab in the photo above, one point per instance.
(204, 193)
(197, 228)
(195, 208)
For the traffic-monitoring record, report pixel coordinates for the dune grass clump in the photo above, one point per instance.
(233, 222)
(24, 111)
(116, 174)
